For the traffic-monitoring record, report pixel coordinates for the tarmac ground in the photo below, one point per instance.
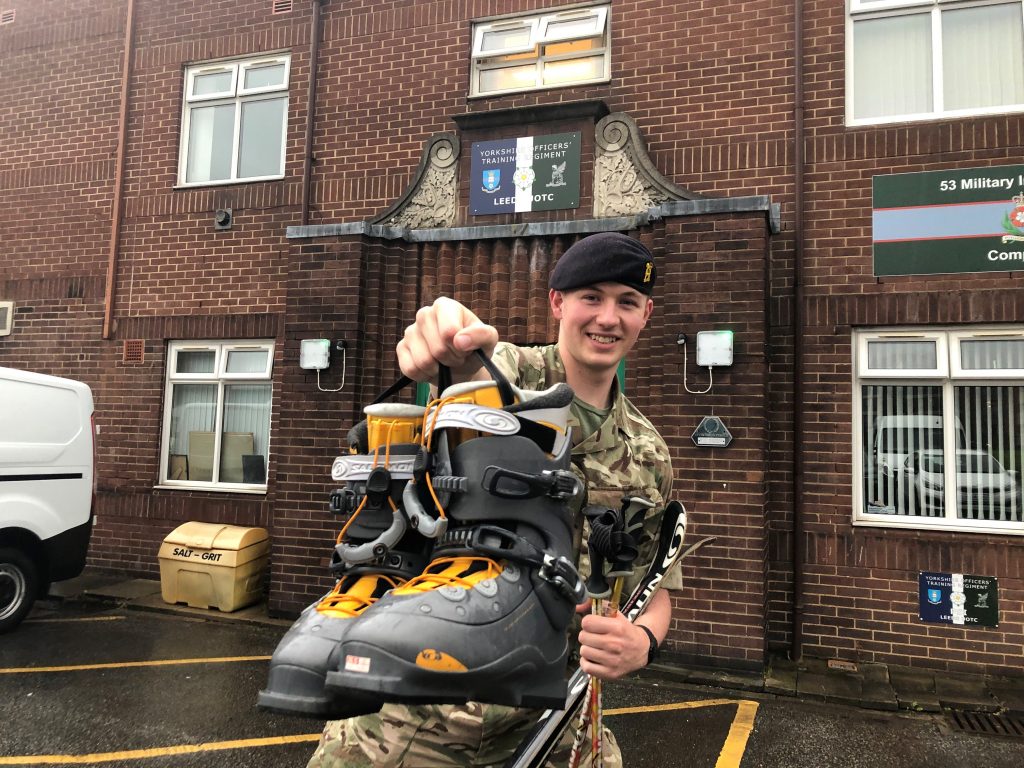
(869, 686)
(106, 672)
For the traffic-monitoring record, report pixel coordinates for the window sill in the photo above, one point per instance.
(212, 489)
(933, 117)
(953, 527)
(227, 182)
(559, 86)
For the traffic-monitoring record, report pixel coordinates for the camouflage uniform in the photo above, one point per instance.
(626, 455)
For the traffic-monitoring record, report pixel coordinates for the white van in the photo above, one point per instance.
(897, 437)
(47, 460)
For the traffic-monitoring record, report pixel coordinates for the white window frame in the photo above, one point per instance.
(237, 95)
(873, 9)
(218, 376)
(948, 376)
(538, 24)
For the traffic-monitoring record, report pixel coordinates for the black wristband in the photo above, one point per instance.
(652, 652)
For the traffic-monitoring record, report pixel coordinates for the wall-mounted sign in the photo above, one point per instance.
(531, 173)
(949, 221)
(711, 433)
(959, 598)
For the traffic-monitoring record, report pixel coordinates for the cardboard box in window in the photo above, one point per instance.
(234, 445)
(208, 565)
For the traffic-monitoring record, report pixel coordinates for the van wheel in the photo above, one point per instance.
(19, 580)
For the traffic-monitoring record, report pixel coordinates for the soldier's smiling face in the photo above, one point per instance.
(599, 324)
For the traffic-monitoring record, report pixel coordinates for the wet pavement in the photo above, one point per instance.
(871, 686)
(91, 679)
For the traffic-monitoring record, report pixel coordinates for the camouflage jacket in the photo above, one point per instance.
(625, 456)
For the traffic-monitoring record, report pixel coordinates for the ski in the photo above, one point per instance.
(547, 731)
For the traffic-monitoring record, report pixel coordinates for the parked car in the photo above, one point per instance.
(895, 439)
(984, 488)
(47, 486)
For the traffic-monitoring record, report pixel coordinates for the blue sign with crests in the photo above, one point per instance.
(958, 598)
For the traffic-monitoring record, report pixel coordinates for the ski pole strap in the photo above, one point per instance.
(609, 543)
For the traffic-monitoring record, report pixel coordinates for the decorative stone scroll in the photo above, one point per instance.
(432, 199)
(625, 180)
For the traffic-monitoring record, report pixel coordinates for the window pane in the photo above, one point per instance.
(508, 78)
(260, 142)
(575, 70)
(564, 29)
(195, 362)
(261, 77)
(211, 133)
(982, 57)
(246, 433)
(902, 355)
(988, 468)
(247, 361)
(190, 448)
(903, 442)
(214, 82)
(991, 354)
(572, 46)
(514, 38)
(892, 69)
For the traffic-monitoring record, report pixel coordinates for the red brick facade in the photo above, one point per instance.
(711, 88)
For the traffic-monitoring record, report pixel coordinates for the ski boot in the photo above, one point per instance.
(375, 552)
(488, 618)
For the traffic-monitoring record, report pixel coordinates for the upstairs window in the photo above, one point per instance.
(940, 424)
(217, 404)
(921, 59)
(528, 53)
(233, 127)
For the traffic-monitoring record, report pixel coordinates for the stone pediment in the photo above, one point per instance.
(625, 181)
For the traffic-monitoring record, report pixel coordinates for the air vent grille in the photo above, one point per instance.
(281, 6)
(134, 352)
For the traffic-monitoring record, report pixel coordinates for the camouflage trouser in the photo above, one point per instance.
(438, 736)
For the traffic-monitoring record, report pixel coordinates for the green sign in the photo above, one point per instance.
(967, 220)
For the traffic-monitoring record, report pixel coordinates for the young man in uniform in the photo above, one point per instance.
(600, 293)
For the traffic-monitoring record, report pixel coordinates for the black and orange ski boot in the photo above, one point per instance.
(376, 551)
(488, 619)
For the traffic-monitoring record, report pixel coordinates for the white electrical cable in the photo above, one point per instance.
(692, 391)
(344, 356)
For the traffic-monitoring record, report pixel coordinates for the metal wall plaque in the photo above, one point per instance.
(531, 173)
(711, 433)
(959, 598)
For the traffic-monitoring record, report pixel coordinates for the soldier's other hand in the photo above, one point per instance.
(611, 647)
(445, 333)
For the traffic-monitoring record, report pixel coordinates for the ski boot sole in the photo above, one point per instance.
(500, 682)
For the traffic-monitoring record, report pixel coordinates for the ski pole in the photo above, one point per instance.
(547, 732)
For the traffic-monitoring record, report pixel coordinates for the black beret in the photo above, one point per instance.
(609, 257)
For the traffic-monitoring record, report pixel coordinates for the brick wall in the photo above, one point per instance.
(711, 87)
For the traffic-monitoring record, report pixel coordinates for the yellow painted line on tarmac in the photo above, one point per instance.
(667, 707)
(126, 664)
(739, 731)
(736, 742)
(143, 754)
(70, 620)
